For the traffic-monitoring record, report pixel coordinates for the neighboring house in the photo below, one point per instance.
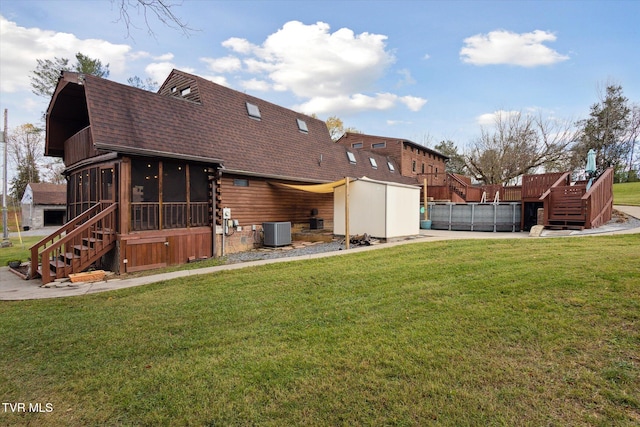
(44, 205)
(414, 160)
(155, 170)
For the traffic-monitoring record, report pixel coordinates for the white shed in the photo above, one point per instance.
(377, 208)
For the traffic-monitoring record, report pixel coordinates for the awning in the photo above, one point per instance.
(314, 188)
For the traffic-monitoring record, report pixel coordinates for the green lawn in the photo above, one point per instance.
(18, 249)
(627, 193)
(459, 333)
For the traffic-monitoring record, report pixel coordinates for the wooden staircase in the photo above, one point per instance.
(572, 206)
(77, 245)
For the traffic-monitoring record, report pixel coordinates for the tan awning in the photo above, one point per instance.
(314, 188)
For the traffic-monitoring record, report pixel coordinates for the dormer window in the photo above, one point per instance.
(373, 162)
(351, 157)
(302, 126)
(391, 167)
(174, 89)
(253, 111)
(186, 91)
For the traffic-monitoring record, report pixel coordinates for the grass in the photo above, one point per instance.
(18, 250)
(494, 332)
(627, 193)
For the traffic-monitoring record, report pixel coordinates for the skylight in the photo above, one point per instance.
(253, 111)
(352, 157)
(373, 162)
(302, 125)
(391, 168)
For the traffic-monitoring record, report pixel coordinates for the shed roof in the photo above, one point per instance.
(45, 193)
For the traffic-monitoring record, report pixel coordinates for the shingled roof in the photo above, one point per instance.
(193, 118)
(45, 193)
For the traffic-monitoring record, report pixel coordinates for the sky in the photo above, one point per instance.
(426, 71)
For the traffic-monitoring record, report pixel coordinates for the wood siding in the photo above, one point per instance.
(262, 201)
(79, 147)
(155, 249)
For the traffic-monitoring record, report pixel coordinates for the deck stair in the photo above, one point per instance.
(77, 245)
(571, 206)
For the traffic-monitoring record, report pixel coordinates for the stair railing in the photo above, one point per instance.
(598, 200)
(75, 246)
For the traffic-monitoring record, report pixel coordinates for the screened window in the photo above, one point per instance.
(144, 181)
(241, 182)
(145, 209)
(174, 182)
(198, 184)
(253, 111)
(174, 195)
(180, 199)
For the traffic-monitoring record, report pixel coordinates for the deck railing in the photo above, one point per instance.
(598, 200)
(146, 215)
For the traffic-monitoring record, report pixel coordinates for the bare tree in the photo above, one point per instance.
(519, 144)
(25, 149)
(162, 10)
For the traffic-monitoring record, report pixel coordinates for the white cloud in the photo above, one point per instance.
(21, 47)
(413, 103)
(256, 85)
(221, 80)
(332, 72)
(489, 119)
(349, 104)
(505, 47)
(159, 71)
(239, 45)
(226, 64)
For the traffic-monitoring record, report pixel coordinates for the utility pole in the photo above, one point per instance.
(5, 223)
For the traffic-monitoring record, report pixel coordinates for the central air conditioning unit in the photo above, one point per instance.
(277, 233)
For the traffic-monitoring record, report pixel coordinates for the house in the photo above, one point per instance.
(414, 160)
(151, 175)
(44, 205)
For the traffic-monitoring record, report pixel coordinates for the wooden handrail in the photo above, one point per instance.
(56, 235)
(71, 237)
(559, 181)
(599, 200)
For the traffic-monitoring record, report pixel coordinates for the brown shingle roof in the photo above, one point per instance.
(213, 124)
(48, 194)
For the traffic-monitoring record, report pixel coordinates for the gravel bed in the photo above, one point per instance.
(284, 252)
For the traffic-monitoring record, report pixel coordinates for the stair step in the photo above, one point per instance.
(71, 256)
(52, 274)
(81, 248)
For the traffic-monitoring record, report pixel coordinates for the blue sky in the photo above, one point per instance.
(421, 70)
